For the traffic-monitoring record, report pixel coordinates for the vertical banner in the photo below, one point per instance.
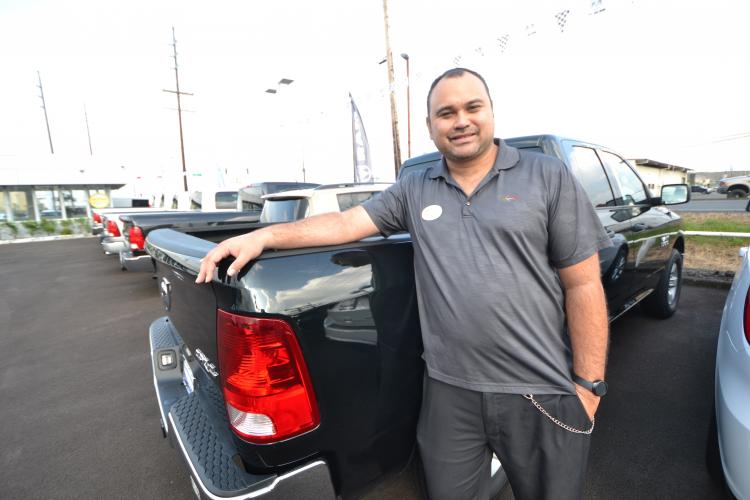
(360, 147)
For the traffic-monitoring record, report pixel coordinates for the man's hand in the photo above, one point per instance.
(589, 400)
(243, 248)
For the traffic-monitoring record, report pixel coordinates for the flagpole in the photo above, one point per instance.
(354, 142)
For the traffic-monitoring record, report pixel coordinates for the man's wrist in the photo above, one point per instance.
(596, 387)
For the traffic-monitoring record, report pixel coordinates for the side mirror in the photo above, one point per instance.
(675, 194)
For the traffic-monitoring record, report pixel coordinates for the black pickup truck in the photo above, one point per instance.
(301, 377)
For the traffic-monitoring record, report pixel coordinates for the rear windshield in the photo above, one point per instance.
(284, 210)
(349, 200)
(226, 199)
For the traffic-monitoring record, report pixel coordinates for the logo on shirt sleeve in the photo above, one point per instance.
(432, 212)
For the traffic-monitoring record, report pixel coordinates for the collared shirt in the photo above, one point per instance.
(490, 299)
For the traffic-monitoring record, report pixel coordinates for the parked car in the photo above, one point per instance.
(735, 187)
(289, 206)
(700, 189)
(728, 444)
(303, 373)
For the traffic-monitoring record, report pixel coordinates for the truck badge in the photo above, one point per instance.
(210, 367)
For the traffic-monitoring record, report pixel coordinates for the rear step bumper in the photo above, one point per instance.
(197, 426)
(137, 263)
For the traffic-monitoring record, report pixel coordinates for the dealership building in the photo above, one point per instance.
(54, 188)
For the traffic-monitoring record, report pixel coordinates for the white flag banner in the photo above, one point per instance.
(360, 147)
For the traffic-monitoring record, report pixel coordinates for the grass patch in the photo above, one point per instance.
(715, 252)
(66, 231)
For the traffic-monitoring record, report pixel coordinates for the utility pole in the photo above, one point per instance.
(392, 87)
(408, 103)
(179, 109)
(88, 134)
(44, 107)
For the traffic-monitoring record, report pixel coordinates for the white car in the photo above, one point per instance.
(728, 445)
(289, 206)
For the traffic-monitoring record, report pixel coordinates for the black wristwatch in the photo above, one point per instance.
(598, 387)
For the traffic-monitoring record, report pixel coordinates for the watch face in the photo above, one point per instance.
(599, 388)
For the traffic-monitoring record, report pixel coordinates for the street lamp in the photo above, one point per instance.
(283, 81)
(275, 90)
(408, 103)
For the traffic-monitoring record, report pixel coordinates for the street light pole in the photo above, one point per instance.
(408, 103)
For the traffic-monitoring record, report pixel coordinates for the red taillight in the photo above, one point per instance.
(97, 218)
(112, 228)
(137, 241)
(747, 317)
(267, 388)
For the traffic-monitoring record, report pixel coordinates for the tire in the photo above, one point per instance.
(736, 194)
(662, 303)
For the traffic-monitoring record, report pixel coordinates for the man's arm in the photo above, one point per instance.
(320, 230)
(586, 310)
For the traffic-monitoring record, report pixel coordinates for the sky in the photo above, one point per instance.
(658, 79)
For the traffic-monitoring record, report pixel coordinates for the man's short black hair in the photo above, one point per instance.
(453, 73)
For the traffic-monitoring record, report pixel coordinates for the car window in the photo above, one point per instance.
(349, 200)
(284, 210)
(632, 190)
(226, 199)
(590, 173)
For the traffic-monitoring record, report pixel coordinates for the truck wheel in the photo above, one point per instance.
(736, 194)
(662, 303)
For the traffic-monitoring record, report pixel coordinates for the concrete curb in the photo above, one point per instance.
(707, 278)
(47, 238)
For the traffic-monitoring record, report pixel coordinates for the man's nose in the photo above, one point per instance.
(462, 120)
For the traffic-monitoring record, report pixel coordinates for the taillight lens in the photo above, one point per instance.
(747, 317)
(112, 228)
(137, 241)
(97, 218)
(267, 388)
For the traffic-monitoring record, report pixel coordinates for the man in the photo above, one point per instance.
(511, 303)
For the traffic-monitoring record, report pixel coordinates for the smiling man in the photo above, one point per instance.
(512, 309)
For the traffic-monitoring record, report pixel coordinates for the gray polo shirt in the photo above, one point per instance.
(491, 302)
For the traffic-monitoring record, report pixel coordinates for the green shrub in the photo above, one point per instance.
(66, 223)
(48, 226)
(13, 228)
(66, 231)
(31, 226)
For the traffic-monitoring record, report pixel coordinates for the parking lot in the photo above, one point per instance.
(80, 420)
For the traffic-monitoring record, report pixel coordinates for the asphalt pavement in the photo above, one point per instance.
(713, 202)
(80, 419)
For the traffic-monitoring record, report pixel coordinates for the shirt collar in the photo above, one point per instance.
(507, 157)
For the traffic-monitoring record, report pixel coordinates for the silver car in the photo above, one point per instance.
(728, 446)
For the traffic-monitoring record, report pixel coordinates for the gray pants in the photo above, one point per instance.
(459, 429)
